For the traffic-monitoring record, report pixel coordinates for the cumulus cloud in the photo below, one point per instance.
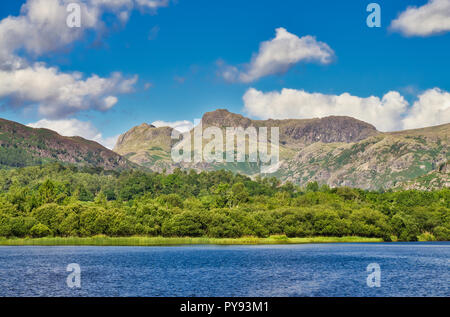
(182, 125)
(389, 113)
(109, 142)
(431, 18)
(279, 55)
(40, 28)
(75, 127)
(152, 4)
(431, 108)
(61, 94)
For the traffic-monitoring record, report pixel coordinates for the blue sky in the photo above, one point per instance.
(178, 53)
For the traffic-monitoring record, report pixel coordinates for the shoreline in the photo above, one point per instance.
(165, 241)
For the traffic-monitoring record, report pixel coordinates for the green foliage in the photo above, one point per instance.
(404, 227)
(312, 187)
(40, 230)
(186, 224)
(442, 233)
(68, 201)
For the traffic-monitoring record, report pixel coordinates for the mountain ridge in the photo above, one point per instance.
(346, 129)
(334, 150)
(21, 145)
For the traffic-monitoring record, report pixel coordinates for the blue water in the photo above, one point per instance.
(407, 269)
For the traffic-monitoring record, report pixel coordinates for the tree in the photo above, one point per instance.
(186, 224)
(404, 227)
(5, 226)
(442, 233)
(221, 195)
(347, 193)
(237, 195)
(170, 200)
(312, 187)
(101, 199)
(40, 230)
(47, 192)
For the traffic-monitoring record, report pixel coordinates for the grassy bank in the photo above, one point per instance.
(162, 241)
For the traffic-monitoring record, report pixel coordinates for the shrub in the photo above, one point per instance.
(40, 230)
(442, 233)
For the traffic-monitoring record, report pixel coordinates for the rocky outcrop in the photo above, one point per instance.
(294, 131)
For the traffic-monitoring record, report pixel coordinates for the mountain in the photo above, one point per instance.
(335, 150)
(147, 146)
(23, 146)
(384, 160)
(296, 132)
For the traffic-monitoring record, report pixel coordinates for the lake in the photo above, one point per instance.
(406, 269)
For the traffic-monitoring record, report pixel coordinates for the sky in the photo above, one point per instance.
(167, 62)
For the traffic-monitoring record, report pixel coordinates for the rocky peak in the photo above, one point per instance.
(327, 130)
(142, 134)
(224, 118)
(145, 126)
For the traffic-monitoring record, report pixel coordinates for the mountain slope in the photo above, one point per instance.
(338, 151)
(381, 161)
(23, 146)
(436, 179)
(147, 146)
(298, 131)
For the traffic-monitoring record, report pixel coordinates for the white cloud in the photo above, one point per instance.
(41, 28)
(279, 55)
(389, 113)
(182, 126)
(61, 94)
(431, 108)
(152, 4)
(75, 127)
(109, 102)
(108, 142)
(431, 18)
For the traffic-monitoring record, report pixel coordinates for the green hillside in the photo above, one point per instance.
(24, 146)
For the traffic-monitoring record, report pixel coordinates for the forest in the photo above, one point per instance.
(58, 200)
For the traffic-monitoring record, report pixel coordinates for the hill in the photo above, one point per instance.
(24, 146)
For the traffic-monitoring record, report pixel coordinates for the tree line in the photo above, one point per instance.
(65, 200)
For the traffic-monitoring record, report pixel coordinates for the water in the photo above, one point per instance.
(407, 269)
